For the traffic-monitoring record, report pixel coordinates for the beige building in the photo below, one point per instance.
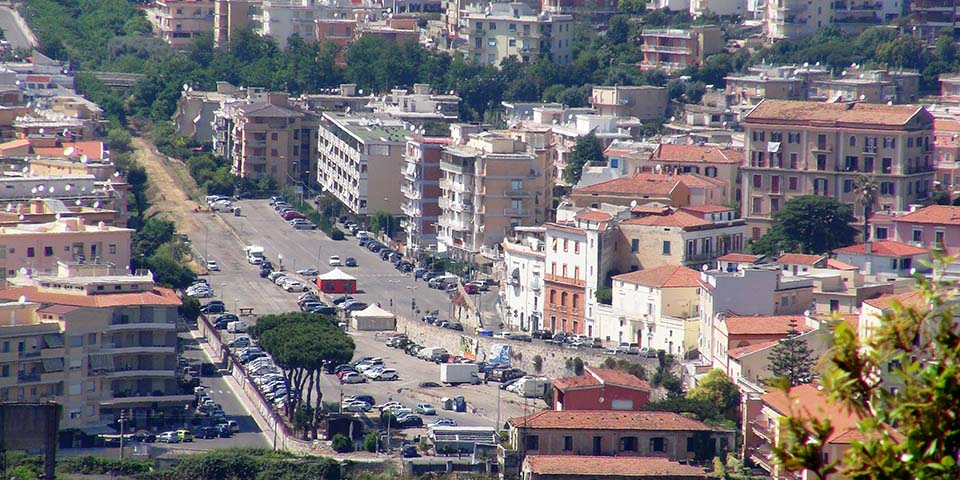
(813, 148)
(679, 237)
(644, 102)
(497, 31)
(229, 16)
(181, 22)
(657, 308)
(95, 342)
(37, 249)
(647, 188)
(360, 161)
(711, 161)
(559, 467)
(489, 183)
(268, 138)
(674, 49)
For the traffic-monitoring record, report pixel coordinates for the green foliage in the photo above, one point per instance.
(604, 295)
(914, 346)
(632, 6)
(388, 419)
(341, 443)
(632, 368)
(587, 151)
(537, 363)
(717, 388)
(90, 465)
(808, 224)
(940, 197)
(792, 359)
(189, 309)
(381, 221)
(248, 463)
(371, 441)
(578, 366)
(701, 410)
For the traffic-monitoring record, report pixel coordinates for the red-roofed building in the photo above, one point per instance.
(655, 309)
(559, 467)
(884, 257)
(927, 227)
(732, 261)
(802, 148)
(641, 188)
(734, 333)
(601, 389)
(799, 263)
(573, 433)
(946, 131)
(687, 237)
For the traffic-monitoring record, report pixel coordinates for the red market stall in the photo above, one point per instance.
(337, 281)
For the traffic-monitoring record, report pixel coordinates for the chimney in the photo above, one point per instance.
(36, 206)
(278, 99)
(868, 247)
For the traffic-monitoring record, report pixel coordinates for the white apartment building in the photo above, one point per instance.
(360, 161)
(420, 105)
(724, 8)
(282, 19)
(496, 31)
(521, 294)
(421, 189)
(793, 19)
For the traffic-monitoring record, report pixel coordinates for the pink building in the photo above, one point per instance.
(36, 248)
(927, 227)
(946, 144)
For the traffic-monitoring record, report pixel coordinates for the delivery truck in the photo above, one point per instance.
(457, 373)
(533, 387)
(254, 254)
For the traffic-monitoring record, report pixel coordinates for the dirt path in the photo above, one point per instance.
(169, 184)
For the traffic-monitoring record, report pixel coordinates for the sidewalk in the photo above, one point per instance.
(265, 428)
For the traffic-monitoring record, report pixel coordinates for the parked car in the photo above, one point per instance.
(213, 308)
(350, 262)
(426, 409)
(356, 406)
(443, 422)
(385, 374)
(542, 334)
(648, 352)
(471, 289)
(334, 261)
(429, 385)
(185, 435)
(207, 433)
(309, 272)
(169, 437)
(410, 421)
(213, 266)
(304, 225)
(352, 377)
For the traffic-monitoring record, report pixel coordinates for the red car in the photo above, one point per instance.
(343, 373)
(291, 215)
(471, 289)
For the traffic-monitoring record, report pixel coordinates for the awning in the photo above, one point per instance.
(101, 361)
(411, 168)
(97, 430)
(53, 340)
(52, 365)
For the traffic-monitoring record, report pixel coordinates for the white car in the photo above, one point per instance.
(213, 266)
(353, 377)
(364, 366)
(308, 272)
(334, 261)
(383, 407)
(356, 406)
(292, 285)
(384, 374)
(443, 422)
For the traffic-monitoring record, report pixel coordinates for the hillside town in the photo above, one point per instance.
(558, 240)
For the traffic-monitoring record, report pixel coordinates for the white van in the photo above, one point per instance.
(443, 281)
(237, 327)
(428, 352)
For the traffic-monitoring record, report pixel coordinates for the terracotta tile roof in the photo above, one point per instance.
(908, 299)
(639, 184)
(605, 467)
(665, 276)
(608, 420)
(675, 219)
(595, 377)
(740, 352)
(820, 113)
(883, 248)
(654, 207)
(766, 325)
(692, 180)
(92, 149)
(740, 257)
(157, 296)
(594, 216)
(838, 265)
(21, 142)
(934, 214)
(697, 153)
(57, 309)
(38, 78)
(799, 259)
(946, 124)
(809, 401)
(703, 209)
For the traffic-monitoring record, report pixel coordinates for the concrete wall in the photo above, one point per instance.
(28, 426)
(554, 357)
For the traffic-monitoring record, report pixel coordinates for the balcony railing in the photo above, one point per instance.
(664, 48)
(565, 280)
(516, 212)
(114, 327)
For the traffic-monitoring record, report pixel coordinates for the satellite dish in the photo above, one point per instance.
(633, 203)
(22, 300)
(67, 187)
(96, 204)
(703, 268)
(806, 313)
(78, 202)
(67, 152)
(57, 216)
(52, 189)
(83, 158)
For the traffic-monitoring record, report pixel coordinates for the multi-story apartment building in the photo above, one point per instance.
(690, 236)
(181, 22)
(496, 31)
(36, 249)
(580, 8)
(74, 190)
(421, 105)
(724, 8)
(230, 16)
(950, 87)
(282, 19)
(793, 19)
(657, 308)
(674, 49)
(721, 163)
(871, 86)
(785, 82)
(421, 189)
(361, 159)
(338, 31)
(750, 290)
(490, 183)
(934, 226)
(522, 292)
(96, 342)
(931, 17)
(565, 279)
(946, 130)
(644, 102)
(196, 111)
(804, 148)
(270, 138)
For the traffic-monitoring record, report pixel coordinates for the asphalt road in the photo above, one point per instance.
(239, 286)
(11, 30)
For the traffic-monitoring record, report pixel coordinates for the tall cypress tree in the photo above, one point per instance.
(792, 358)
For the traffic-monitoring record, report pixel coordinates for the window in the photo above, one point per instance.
(793, 137)
(881, 233)
(493, 26)
(820, 186)
(938, 242)
(774, 205)
(30, 252)
(793, 160)
(821, 141)
(47, 251)
(847, 186)
(887, 165)
(553, 297)
(492, 42)
(576, 247)
(793, 184)
(918, 235)
(516, 184)
(576, 301)
(757, 181)
(666, 247)
(909, 142)
(757, 206)
(851, 163)
(566, 244)
(635, 245)
(112, 248)
(870, 144)
(776, 136)
(906, 263)
(658, 444)
(889, 142)
(567, 444)
(853, 141)
(92, 339)
(274, 136)
(886, 188)
(868, 164)
(821, 162)
(532, 442)
(628, 444)
(76, 340)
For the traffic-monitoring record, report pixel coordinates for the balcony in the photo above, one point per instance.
(410, 191)
(36, 377)
(517, 193)
(456, 167)
(126, 327)
(667, 32)
(255, 142)
(760, 429)
(450, 222)
(446, 184)
(516, 212)
(410, 210)
(665, 49)
(255, 159)
(119, 350)
(52, 352)
(139, 373)
(147, 399)
(564, 280)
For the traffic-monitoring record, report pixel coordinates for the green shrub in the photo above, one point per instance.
(371, 441)
(336, 234)
(538, 363)
(341, 443)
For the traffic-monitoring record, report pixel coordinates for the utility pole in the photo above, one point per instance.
(498, 411)
(123, 420)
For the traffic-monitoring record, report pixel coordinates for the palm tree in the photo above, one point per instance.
(866, 189)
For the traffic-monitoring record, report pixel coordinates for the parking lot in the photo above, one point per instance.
(239, 286)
